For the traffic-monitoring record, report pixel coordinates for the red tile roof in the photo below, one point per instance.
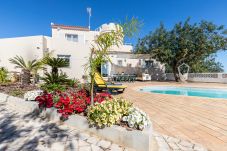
(70, 27)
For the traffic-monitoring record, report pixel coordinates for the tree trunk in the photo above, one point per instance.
(176, 74)
(92, 90)
(34, 79)
(55, 70)
(25, 77)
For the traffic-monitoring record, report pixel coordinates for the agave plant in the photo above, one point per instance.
(28, 68)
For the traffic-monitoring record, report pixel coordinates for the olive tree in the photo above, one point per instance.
(185, 43)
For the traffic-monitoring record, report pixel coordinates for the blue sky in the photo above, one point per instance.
(33, 17)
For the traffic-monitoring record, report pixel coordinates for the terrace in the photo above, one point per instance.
(197, 119)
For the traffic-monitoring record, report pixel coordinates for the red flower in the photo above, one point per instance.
(45, 101)
(70, 101)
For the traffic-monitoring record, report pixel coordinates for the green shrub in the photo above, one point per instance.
(108, 112)
(3, 75)
(74, 83)
(51, 78)
(53, 87)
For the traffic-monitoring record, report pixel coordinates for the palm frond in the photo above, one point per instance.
(31, 65)
(19, 62)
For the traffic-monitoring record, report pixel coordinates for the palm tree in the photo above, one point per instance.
(28, 68)
(55, 63)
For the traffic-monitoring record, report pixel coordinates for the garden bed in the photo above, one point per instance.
(16, 89)
(132, 138)
(136, 139)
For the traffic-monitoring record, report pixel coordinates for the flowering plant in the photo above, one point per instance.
(76, 102)
(69, 102)
(99, 98)
(108, 112)
(136, 119)
(31, 95)
(45, 100)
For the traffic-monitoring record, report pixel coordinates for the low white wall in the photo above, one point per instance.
(203, 77)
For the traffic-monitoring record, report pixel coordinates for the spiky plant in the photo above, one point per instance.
(28, 68)
(55, 63)
(55, 78)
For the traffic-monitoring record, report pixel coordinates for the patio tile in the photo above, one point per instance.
(200, 120)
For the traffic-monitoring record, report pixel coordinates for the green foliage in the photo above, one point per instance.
(207, 65)
(3, 75)
(188, 43)
(99, 52)
(103, 43)
(131, 27)
(55, 77)
(30, 65)
(50, 78)
(74, 83)
(55, 63)
(108, 112)
(53, 87)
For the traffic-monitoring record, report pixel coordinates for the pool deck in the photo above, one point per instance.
(197, 119)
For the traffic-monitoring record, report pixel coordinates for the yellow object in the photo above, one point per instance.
(102, 84)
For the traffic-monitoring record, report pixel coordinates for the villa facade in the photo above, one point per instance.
(73, 43)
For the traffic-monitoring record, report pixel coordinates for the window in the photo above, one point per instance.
(66, 58)
(149, 63)
(119, 62)
(71, 37)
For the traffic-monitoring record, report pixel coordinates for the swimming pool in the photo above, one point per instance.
(187, 91)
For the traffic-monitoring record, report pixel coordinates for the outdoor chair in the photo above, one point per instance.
(100, 84)
(130, 79)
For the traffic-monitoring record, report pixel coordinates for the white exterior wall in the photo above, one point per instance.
(85, 37)
(127, 59)
(28, 47)
(32, 47)
(106, 69)
(79, 54)
(79, 51)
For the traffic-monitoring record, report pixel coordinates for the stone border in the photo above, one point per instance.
(139, 140)
(135, 139)
(19, 103)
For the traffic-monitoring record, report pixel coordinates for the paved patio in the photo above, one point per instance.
(20, 129)
(24, 132)
(200, 120)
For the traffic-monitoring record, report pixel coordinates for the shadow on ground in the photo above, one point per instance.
(28, 132)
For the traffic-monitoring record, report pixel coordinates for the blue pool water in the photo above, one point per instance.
(188, 91)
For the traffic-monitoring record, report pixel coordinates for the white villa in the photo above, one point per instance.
(73, 43)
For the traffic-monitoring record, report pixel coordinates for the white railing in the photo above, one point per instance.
(127, 43)
(203, 77)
